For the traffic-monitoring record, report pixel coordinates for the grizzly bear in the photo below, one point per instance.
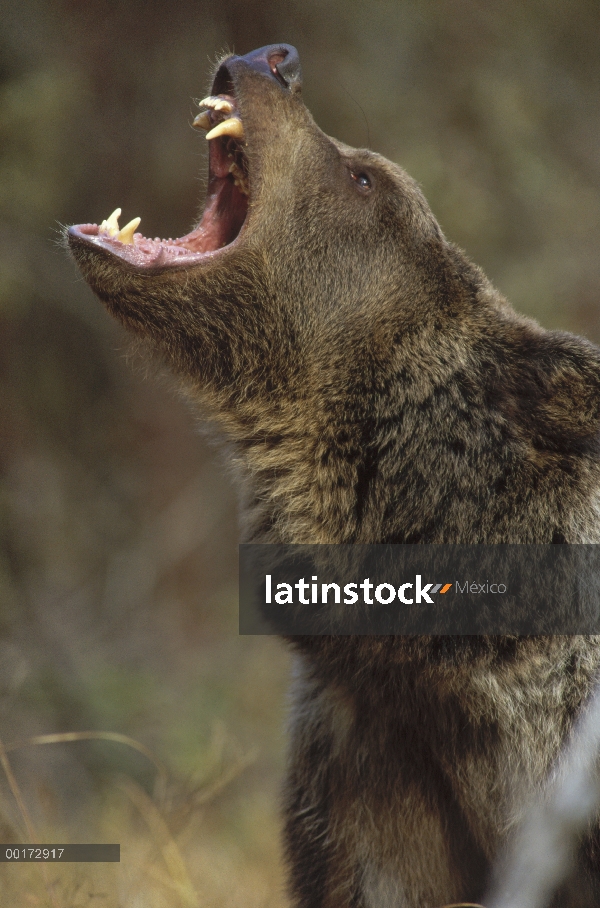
(373, 387)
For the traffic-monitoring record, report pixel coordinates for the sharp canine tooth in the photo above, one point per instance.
(111, 224)
(202, 121)
(232, 127)
(126, 234)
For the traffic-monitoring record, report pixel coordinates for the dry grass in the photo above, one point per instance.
(179, 849)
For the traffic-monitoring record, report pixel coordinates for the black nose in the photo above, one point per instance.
(280, 61)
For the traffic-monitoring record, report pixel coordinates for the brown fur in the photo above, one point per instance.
(374, 387)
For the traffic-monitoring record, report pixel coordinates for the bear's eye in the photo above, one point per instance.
(362, 180)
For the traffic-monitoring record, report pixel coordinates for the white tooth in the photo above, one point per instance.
(202, 121)
(216, 104)
(126, 234)
(232, 127)
(111, 224)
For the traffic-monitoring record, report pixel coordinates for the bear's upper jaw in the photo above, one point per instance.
(225, 209)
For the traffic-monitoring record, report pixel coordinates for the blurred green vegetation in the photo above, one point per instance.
(117, 520)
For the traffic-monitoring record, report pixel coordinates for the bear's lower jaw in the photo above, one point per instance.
(224, 216)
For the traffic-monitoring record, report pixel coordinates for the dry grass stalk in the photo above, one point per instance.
(117, 737)
(31, 833)
(178, 879)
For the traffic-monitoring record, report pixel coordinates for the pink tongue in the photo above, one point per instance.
(215, 228)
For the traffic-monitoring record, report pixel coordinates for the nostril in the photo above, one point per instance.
(287, 63)
(278, 60)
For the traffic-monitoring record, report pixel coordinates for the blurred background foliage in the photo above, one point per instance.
(117, 519)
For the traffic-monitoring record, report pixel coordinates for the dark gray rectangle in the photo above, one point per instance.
(510, 590)
(63, 854)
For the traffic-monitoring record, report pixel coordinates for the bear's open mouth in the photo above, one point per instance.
(226, 204)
